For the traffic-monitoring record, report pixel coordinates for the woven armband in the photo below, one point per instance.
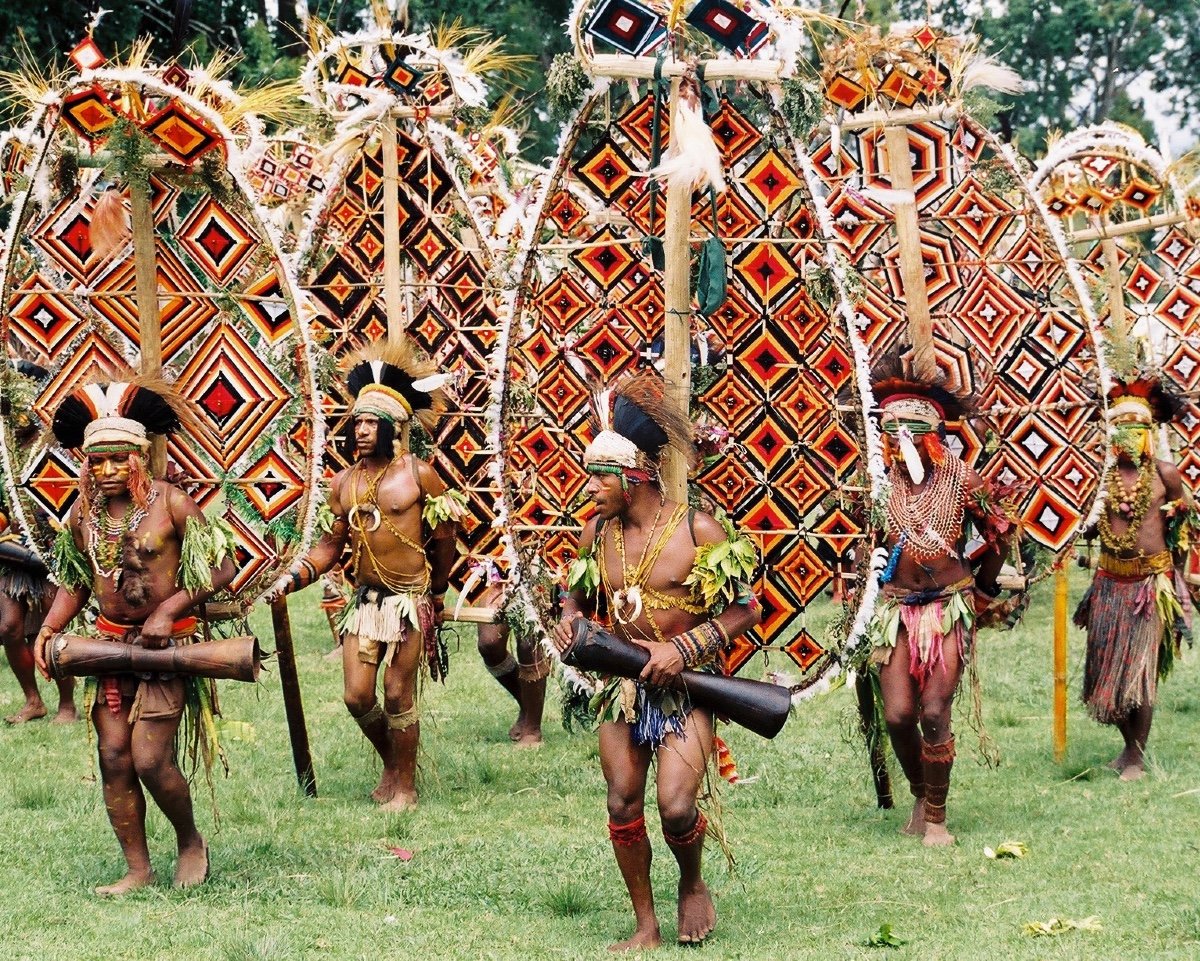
(700, 643)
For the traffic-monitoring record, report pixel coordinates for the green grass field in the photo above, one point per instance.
(511, 857)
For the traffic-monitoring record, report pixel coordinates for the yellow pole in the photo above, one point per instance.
(1060, 662)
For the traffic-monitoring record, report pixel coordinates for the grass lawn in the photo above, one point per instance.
(511, 856)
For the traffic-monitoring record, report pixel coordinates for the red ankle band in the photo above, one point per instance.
(689, 837)
(627, 835)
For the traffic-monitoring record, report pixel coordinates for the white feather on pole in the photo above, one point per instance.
(985, 71)
(694, 159)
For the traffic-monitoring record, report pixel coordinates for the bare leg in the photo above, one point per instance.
(358, 691)
(123, 798)
(625, 766)
(937, 753)
(153, 744)
(900, 713)
(493, 648)
(682, 763)
(20, 659)
(399, 700)
(532, 697)
(1136, 731)
(66, 714)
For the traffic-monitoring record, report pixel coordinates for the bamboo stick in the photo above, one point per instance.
(146, 294)
(1115, 286)
(642, 68)
(1060, 663)
(912, 269)
(677, 297)
(889, 118)
(1126, 228)
(391, 230)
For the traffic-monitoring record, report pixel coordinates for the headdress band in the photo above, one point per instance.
(383, 402)
(1131, 409)
(114, 430)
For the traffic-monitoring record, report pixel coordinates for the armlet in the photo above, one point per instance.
(449, 506)
(584, 573)
(723, 569)
(993, 509)
(71, 567)
(206, 544)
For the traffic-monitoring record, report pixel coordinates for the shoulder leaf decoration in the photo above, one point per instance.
(723, 567)
(1181, 521)
(450, 506)
(325, 518)
(584, 573)
(71, 567)
(206, 544)
(994, 510)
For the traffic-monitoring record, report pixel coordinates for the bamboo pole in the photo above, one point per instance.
(1116, 288)
(625, 67)
(392, 279)
(677, 295)
(1129, 227)
(880, 118)
(1060, 663)
(293, 707)
(146, 293)
(912, 269)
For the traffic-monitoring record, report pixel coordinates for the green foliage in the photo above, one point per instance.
(566, 86)
(885, 937)
(802, 107)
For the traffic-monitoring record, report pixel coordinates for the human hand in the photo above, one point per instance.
(665, 664)
(564, 632)
(277, 590)
(156, 631)
(39, 651)
(439, 608)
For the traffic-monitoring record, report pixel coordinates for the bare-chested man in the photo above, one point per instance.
(400, 523)
(125, 544)
(1131, 612)
(645, 558)
(923, 631)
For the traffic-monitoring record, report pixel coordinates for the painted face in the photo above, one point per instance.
(1129, 440)
(110, 471)
(366, 434)
(606, 493)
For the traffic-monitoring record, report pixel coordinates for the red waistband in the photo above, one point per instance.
(185, 625)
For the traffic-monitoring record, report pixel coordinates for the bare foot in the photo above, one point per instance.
(697, 915)
(401, 801)
(30, 712)
(936, 836)
(1120, 762)
(529, 739)
(192, 867)
(131, 882)
(515, 732)
(916, 823)
(1133, 771)
(641, 941)
(65, 715)
(386, 787)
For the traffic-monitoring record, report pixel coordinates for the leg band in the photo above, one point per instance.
(627, 835)
(404, 720)
(689, 837)
(937, 760)
(371, 718)
(507, 666)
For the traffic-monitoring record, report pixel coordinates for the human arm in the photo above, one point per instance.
(1179, 518)
(72, 571)
(992, 516)
(206, 565)
(442, 511)
(724, 566)
(323, 555)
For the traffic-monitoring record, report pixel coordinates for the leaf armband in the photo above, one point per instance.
(723, 569)
(584, 573)
(448, 506)
(206, 544)
(71, 567)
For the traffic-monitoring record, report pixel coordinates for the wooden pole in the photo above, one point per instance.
(1128, 227)
(146, 293)
(392, 268)
(293, 707)
(912, 268)
(677, 295)
(1116, 287)
(1060, 663)
(624, 67)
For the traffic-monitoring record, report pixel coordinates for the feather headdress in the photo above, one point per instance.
(637, 423)
(1144, 396)
(394, 381)
(123, 408)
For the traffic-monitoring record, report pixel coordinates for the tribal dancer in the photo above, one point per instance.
(652, 563)
(25, 589)
(923, 633)
(144, 551)
(1132, 613)
(400, 522)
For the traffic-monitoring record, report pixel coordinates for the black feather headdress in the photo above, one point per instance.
(123, 408)
(393, 380)
(637, 423)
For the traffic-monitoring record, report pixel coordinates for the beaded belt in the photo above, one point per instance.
(1140, 566)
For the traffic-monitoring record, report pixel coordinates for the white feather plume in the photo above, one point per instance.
(985, 71)
(695, 160)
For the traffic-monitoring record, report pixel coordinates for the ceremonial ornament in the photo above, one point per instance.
(396, 241)
(161, 155)
(1134, 220)
(775, 368)
(958, 257)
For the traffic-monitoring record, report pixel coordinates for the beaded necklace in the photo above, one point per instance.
(1129, 504)
(930, 521)
(106, 534)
